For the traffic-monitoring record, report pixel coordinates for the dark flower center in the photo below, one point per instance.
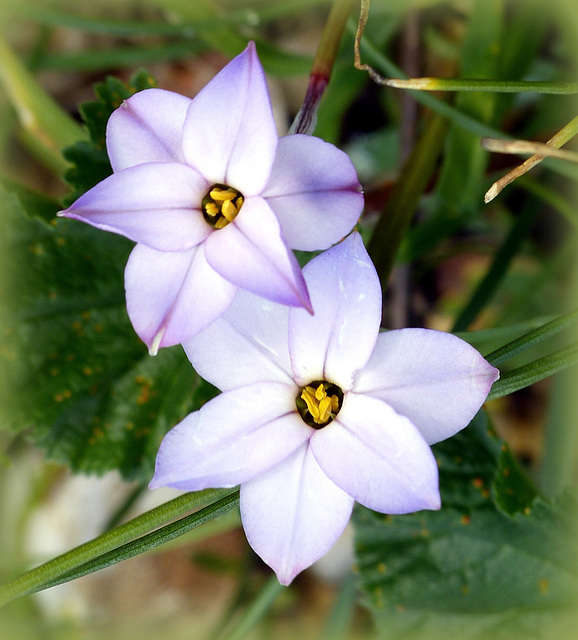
(221, 205)
(318, 403)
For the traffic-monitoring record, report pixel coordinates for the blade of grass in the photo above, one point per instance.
(40, 117)
(491, 281)
(402, 204)
(34, 579)
(257, 610)
(147, 542)
(532, 337)
(535, 371)
(476, 84)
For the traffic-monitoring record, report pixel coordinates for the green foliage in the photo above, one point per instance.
(89, 159)
(496, 561)
(79, 383)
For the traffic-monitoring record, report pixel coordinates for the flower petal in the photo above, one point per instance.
(293, 514)
(247, 344)
(148, 127)
(434, 378)
(251, 253)
(316, 206)
(170, 296)
(346, 296)
(229, 134)
(234, 437)
(156, 204)
(378, 457)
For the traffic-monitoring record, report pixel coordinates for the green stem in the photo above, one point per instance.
(35, 579)
(532, 337)
(322, 65)
(401, 206)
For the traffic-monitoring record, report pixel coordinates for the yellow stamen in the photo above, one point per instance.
(321, 406)
(221, 205)
(212, 209)
(223, 194)
(229, 210)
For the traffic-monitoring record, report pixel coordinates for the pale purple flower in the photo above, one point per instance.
(320, 411)
(215, 201)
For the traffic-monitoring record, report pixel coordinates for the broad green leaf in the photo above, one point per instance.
(78, 381)
(495, 561)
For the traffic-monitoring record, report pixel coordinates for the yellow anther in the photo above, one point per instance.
(212, 209)
(319, 404)
(229, 210)
(223, 194)
(221, 205)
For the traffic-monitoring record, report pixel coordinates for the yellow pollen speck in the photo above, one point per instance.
(543, 585)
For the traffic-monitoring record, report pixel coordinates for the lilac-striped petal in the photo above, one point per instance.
(435, 379)
(170, 296)
(247, 344)
(293, 514)
(378, 457)
(314, 191)
(234, 437)
(229, 133)
(156, 204)
(346, 297)
(147, 128)
(251, 253)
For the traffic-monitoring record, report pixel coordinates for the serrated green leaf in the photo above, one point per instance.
(471, 570)
(89, 159)
(78, 381)
(513, 491)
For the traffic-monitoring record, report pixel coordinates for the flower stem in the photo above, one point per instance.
(53, 571)
(322, 65)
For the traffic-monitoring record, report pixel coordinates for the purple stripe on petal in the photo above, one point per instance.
(171, 296)
(378, 457)
(251, 253)
(293, 514)
(229, 133)
(156, 204)
(147, 128)
(314, 191)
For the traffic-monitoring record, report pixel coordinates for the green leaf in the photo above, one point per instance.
(89, 159)
(79, 382)
(495, 561)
